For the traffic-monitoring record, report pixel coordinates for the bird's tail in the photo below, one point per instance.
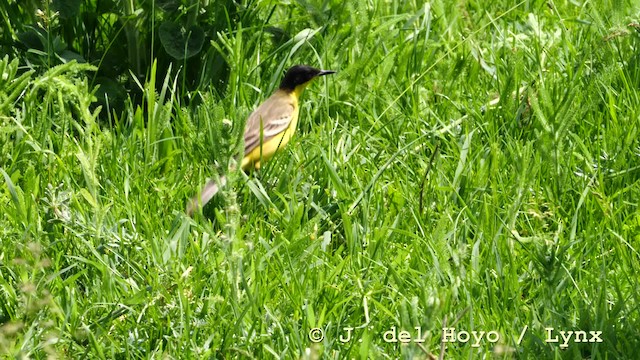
(207, 193)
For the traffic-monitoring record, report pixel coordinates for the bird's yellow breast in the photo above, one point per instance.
(268, 148)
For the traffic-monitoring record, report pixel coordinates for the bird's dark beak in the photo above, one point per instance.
(326, 72)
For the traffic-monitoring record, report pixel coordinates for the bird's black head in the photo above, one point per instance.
(301, 75)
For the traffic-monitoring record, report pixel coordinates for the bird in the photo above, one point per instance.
(269, 127)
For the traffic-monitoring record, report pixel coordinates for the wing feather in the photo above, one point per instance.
(275, 114)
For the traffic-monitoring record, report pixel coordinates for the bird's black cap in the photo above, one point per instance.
(299, 75)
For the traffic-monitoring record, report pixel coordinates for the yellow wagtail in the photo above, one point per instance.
(269, 127)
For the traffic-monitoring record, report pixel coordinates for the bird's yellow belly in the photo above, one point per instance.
(266, 150)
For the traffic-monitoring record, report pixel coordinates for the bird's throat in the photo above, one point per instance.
(297, 92)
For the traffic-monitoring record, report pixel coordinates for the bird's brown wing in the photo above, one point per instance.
(275, 115)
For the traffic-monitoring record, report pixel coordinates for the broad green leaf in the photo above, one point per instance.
(179, 42)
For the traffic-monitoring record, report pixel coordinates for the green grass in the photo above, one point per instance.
(529, 214)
